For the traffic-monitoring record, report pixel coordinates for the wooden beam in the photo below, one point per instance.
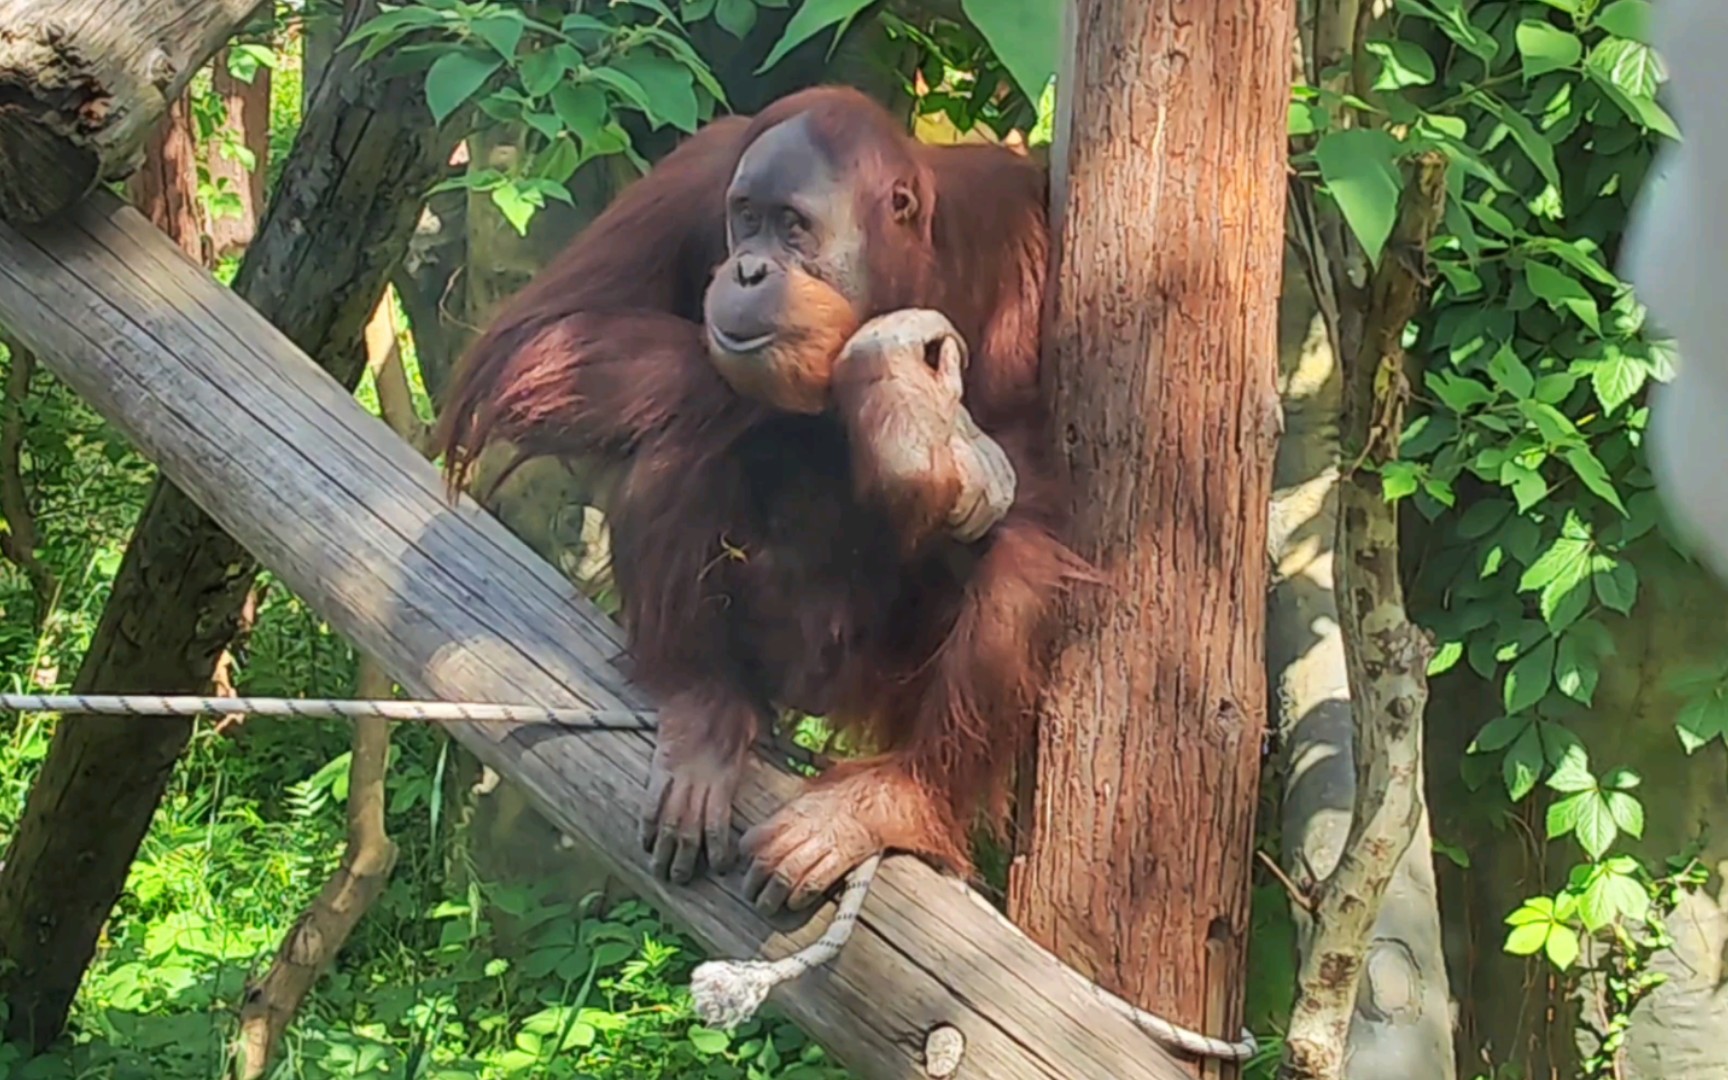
(455, 607)
(82, 83)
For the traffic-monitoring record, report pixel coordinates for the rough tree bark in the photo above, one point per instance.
(82, 84)
(339, 224)
(165, 187)
(1168, 200)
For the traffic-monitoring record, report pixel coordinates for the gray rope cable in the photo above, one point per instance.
(583, 718)
(726, 992)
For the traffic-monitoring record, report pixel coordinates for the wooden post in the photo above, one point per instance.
(358, 524)
(83, 82)
(1168, 199)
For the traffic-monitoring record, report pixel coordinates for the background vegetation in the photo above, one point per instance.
(1536, 545)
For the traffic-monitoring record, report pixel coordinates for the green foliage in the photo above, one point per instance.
(568, 81)
(1525, 443)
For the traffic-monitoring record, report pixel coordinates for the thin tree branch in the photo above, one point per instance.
(395, 399)
(222, 681)
(1388, 654)
(1298, 895)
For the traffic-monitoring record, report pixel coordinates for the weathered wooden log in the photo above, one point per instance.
(82, 82)
(456, 607)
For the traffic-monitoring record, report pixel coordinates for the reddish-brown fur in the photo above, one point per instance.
(748, 569)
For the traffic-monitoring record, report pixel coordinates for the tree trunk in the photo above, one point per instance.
(248, 123)
(1402, 1023)
(1168, 192)
(165, 187)
(83, 83)
(340, 222)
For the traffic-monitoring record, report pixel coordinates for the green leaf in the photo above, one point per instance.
(1483, 518)
(1563, 814)
(1402, 64)
(1567, 561)
(1617, 377)
(502, 32)
(453, 78)
(1596, 827)
(736, 17)
(1510, 374)
(669, 87)
(1562, 574)
(707, 1040)
(1398, 479)
(1595, 476)
(1561, 291)
(1572, 252)
(1026, 35)
(1596, 907)
(1575, 669)
(1627, 19)
(1627, 812)
(582, 107)
(1616, 583)
(1527, 939)
(1359, 166)
(1562, 946)
(1524, 133)
(1499, 732)
(1459, 393)
(1455, 22)
(812, 17)
(1528, 486)
(1445, 657)
(1627, 73)
(1627, 894)
(541, 70)
(1522, 764)
(1530, 678)
(1545, 47)
(1701, 720)
(1571, 769)
(518, 204)
(560, 161)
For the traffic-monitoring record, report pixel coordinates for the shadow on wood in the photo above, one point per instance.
(455, 607)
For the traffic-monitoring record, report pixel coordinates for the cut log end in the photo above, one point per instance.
(83, 83)
(42, 173)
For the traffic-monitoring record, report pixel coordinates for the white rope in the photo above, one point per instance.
(586, 719)
(726, 992)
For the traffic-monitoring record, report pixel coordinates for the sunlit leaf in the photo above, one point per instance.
(1545, 47)
(1627, 19)
(1561, 291)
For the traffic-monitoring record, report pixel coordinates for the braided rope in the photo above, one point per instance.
(726, 992)
(585, 719)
